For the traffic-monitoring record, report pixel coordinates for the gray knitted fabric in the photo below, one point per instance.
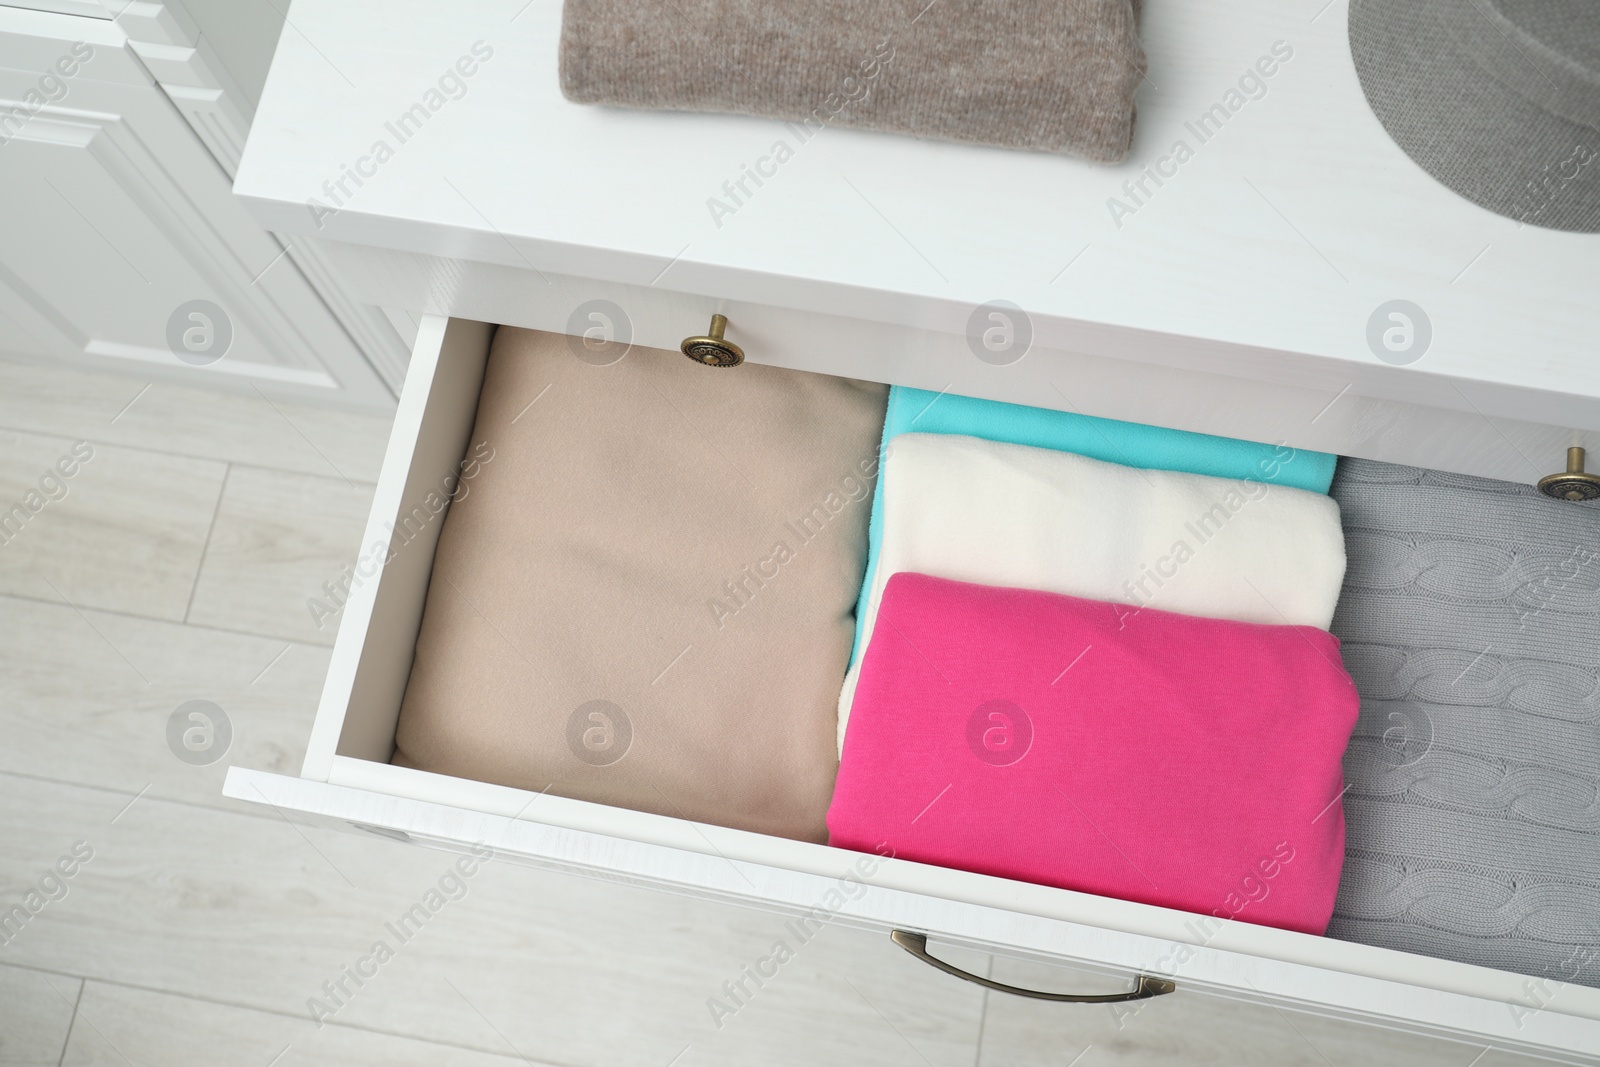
(1470, 618)
(1497, 99)
(1049, 75)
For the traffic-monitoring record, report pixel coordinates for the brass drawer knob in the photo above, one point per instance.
(1574, 483)
(711, 349)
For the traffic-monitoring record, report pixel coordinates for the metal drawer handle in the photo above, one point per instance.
(713, 349)
(1574, 483)
(1144, 988)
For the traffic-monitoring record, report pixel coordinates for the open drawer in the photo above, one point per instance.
(1156, 966)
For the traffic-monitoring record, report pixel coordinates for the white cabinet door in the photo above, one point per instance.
(121, 243)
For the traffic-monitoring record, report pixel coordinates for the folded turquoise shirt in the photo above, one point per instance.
(1128, 443)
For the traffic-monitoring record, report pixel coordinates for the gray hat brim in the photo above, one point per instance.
(1459, 121)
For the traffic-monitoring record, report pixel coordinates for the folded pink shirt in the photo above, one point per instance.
(1187, 762)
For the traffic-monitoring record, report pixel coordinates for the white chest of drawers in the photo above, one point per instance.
(1235, 298)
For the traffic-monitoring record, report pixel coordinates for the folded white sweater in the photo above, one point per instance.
(1033, 518)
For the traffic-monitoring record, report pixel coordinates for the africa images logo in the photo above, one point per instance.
(999, 732)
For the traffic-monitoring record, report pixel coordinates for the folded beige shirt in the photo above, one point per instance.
(1048, 75)
(646, 596)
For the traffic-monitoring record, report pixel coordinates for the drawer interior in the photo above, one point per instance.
(360, 704)
(353, 738)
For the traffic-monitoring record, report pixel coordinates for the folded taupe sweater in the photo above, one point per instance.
(1048, 75)
(646, 595)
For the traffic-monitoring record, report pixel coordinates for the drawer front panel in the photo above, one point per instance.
(860, 895)
(1187, 383)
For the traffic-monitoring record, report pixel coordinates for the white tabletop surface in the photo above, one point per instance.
(1280, 236)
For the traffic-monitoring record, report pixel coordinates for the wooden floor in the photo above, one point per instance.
(200, 931)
